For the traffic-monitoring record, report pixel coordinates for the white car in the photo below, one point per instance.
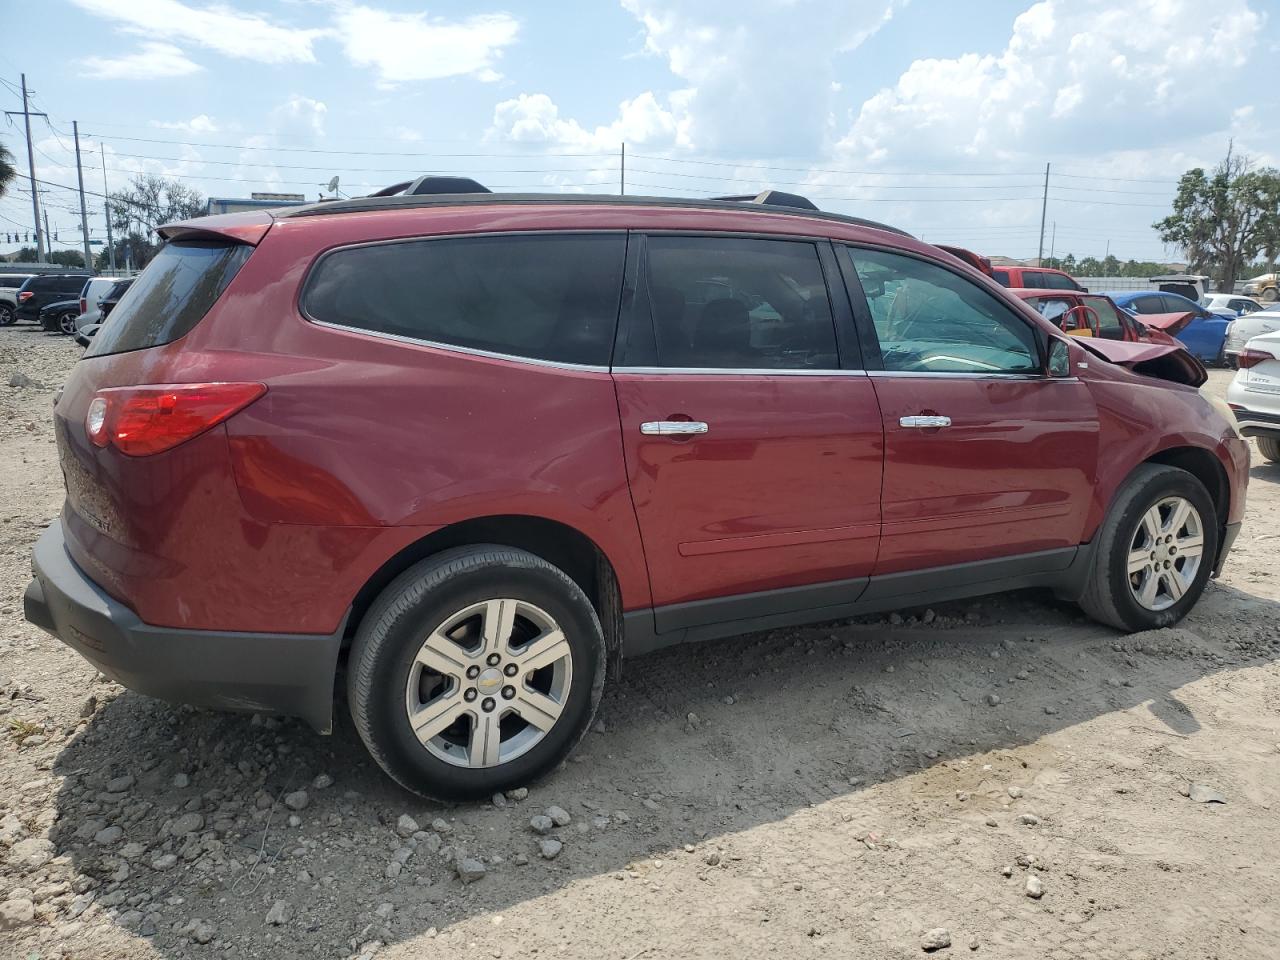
(1254, 394)
(1243, 329)
(1229, 304)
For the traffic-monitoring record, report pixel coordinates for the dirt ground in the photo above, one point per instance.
(839, 790)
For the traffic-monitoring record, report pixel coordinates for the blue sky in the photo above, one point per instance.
(934, 115)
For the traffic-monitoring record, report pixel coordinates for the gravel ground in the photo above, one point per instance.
(998, 776)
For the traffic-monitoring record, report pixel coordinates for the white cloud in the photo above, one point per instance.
(534, 118)
(202, 123)
(759, 74)
(1074, 79)
(153, 61)
(405, 47)
(233, 33)
(300, 117)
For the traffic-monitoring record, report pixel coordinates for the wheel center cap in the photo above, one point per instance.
(490, 680)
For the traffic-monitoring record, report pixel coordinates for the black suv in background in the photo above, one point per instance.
(39, 292)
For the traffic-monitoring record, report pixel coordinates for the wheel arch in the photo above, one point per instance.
(1205, 467)
(568, 548)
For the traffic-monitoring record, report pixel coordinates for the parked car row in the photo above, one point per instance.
(74, 304)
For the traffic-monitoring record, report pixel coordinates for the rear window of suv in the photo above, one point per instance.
(538, 296)
(170, 296)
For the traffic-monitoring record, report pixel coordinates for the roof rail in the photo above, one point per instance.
(463, 191)
(775, 198)
(432, 185)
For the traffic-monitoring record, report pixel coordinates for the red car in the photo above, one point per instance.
(1095, 314)
(481, 447)
(1038, 278)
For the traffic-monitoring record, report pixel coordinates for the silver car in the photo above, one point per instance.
(1243, 329)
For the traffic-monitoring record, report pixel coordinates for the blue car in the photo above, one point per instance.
(1204, 336)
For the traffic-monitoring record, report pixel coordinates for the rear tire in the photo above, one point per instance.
(1269, 295)
(1269, 447)
(67, 323)
(494, 655)
(6, 315)
(1166, 584)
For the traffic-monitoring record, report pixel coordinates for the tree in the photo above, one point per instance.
(7, 170)
(1221, 220)
(147, 203)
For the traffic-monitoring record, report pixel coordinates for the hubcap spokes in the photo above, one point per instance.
(1165, 553)
(489, 683)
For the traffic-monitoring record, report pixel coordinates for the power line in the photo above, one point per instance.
(342, 153)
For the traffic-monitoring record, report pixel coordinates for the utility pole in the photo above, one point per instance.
(622, 171)
(1044, 207)
(48, 244)
(106, 209)
(84, 214)
(31, 167)
(1053, 239)
(1105, 258)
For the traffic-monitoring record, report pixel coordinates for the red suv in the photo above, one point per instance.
(480, 447)
(1036, 278)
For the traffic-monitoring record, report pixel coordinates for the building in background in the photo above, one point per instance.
(256, 201)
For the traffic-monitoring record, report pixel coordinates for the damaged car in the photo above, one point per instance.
(478, 448)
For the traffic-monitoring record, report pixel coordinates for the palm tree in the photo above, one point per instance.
(7, 170)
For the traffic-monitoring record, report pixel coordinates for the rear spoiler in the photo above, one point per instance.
(248, 227)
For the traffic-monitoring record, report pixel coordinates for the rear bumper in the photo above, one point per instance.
(1254, 423)
(273, 672)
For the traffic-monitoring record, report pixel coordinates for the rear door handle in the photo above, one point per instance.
(923, 422)
(672, 428)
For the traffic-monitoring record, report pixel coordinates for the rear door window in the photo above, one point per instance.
(735, 303)
(1001, 277)
(539, 296)
(170, 296)
(1057, 281)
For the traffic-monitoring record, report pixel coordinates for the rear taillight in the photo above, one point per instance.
(1251, 357)
(84, 305)
(141, 421)
(24, 296)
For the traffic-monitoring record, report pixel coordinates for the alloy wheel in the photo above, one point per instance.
(67, 323)
(1165, 553)
(489, 683)
(6, 315)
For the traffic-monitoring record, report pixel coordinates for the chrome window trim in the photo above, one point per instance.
(465, 351)
(741, 371)
(960, 375)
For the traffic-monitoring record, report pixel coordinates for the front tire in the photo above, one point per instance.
(475, 671)
(67, 323)
(1154, 552)
(7, 317)
(1269, 447)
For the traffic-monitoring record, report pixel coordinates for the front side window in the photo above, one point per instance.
(1001, 277)
(724, 302)
(541, 296)
(1057, 281)
(1108, 320)
(1051, 308)
(931, 320)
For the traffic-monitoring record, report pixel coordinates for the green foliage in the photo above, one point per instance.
(1225, 218)
(147, 203)
(7, 170)
(1110, 267)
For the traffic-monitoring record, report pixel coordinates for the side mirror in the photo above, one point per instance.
(1059, 358)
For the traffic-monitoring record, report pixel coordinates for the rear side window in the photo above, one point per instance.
(541, 296)
(729, 303)
(170, 296)
(1056, 281)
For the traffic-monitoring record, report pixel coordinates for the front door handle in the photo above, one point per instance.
(673, 428)
(924, 422)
